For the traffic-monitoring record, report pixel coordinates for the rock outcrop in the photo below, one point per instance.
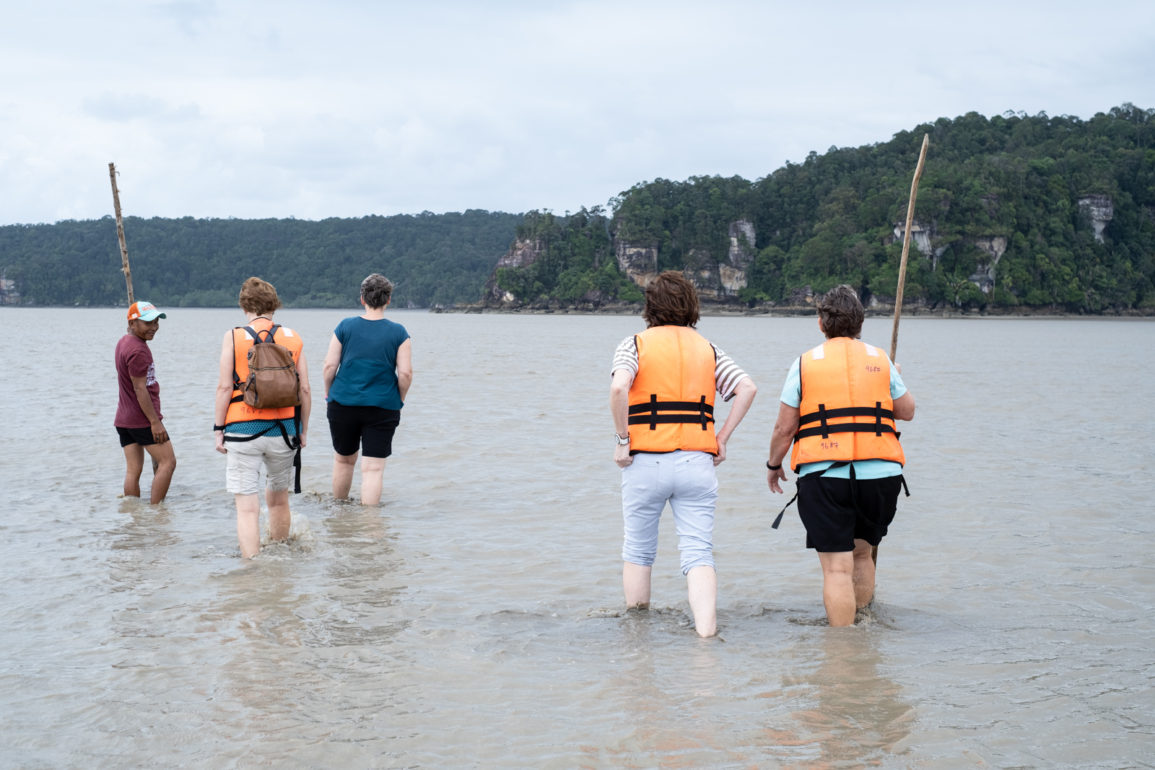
(722, 280)
(923, 237)
(639, 263)
(523, 253)
(716, 281)
(984, 276)
(1101, 210)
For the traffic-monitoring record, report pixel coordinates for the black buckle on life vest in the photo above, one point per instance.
(652, 412)
(823, 416)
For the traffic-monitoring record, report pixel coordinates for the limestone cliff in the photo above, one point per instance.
(1101, 210)
(639, 263)
(718, 281)
(984, 276)
(523, 253)
(924, 238)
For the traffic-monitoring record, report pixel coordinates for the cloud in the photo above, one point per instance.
(119, 108)
(257, 108)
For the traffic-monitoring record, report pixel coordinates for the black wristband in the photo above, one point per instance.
(777, 467)
(218, 427)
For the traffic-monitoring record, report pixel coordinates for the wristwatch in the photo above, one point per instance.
(622, 440)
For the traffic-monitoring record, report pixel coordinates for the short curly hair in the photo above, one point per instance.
(671, 300)
(841, 312)
(258, 296)
(376, 290)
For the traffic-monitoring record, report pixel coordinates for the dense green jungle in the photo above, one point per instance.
(431, 258)
(1028, 213)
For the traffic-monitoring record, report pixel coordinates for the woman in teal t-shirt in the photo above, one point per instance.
(368, 370)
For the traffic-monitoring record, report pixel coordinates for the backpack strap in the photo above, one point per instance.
(236, 377)
(293, 443)
(269, 334)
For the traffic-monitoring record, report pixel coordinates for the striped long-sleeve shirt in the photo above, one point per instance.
(727, 374)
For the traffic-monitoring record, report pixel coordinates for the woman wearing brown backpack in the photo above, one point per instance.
(257, 433)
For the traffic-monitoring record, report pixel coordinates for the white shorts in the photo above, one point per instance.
(245, 458)
(689, 483)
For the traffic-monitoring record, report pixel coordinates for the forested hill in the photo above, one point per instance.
(1013, 212)
(432, 259)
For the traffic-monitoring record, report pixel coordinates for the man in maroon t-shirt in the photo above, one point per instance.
(138, 417)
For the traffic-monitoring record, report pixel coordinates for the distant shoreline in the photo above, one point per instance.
(707, 310)
(716, 310)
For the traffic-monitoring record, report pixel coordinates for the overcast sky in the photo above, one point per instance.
(278, 108)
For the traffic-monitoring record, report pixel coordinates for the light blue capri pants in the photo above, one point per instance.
(688, 481)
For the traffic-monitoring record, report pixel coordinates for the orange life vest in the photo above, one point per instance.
(239, 411)
(672, 396)
(846, 411)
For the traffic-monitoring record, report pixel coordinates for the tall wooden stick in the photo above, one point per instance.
(902, 265)
(120, 234)
(906, 244)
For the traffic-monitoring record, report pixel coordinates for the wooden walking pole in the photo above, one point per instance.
(120, 234)
(906, 244)
(902, 265)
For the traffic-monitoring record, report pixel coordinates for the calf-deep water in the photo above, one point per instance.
(475, 618)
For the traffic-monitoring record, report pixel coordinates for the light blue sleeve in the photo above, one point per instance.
(792, 388)
(897, 386)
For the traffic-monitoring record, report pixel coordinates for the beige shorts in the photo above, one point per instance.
(245, 458)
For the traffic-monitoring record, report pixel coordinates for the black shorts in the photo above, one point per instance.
(142, 436)
(836, 512)
(368, 428)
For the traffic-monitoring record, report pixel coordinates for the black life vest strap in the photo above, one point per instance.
(823, 415)
(292, 443)
(693, 412)
(778, 518)
(853, 490)
(850, 427)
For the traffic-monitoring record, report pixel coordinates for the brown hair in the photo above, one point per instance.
(258, 296)
(671, 300)
(841, 313)
(376, 290)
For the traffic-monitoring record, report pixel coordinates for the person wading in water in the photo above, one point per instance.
(838, 408)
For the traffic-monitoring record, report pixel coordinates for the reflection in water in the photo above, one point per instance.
(663, 705)
(362, 575)
(310, 654)
(852, 715)
(148, 527)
